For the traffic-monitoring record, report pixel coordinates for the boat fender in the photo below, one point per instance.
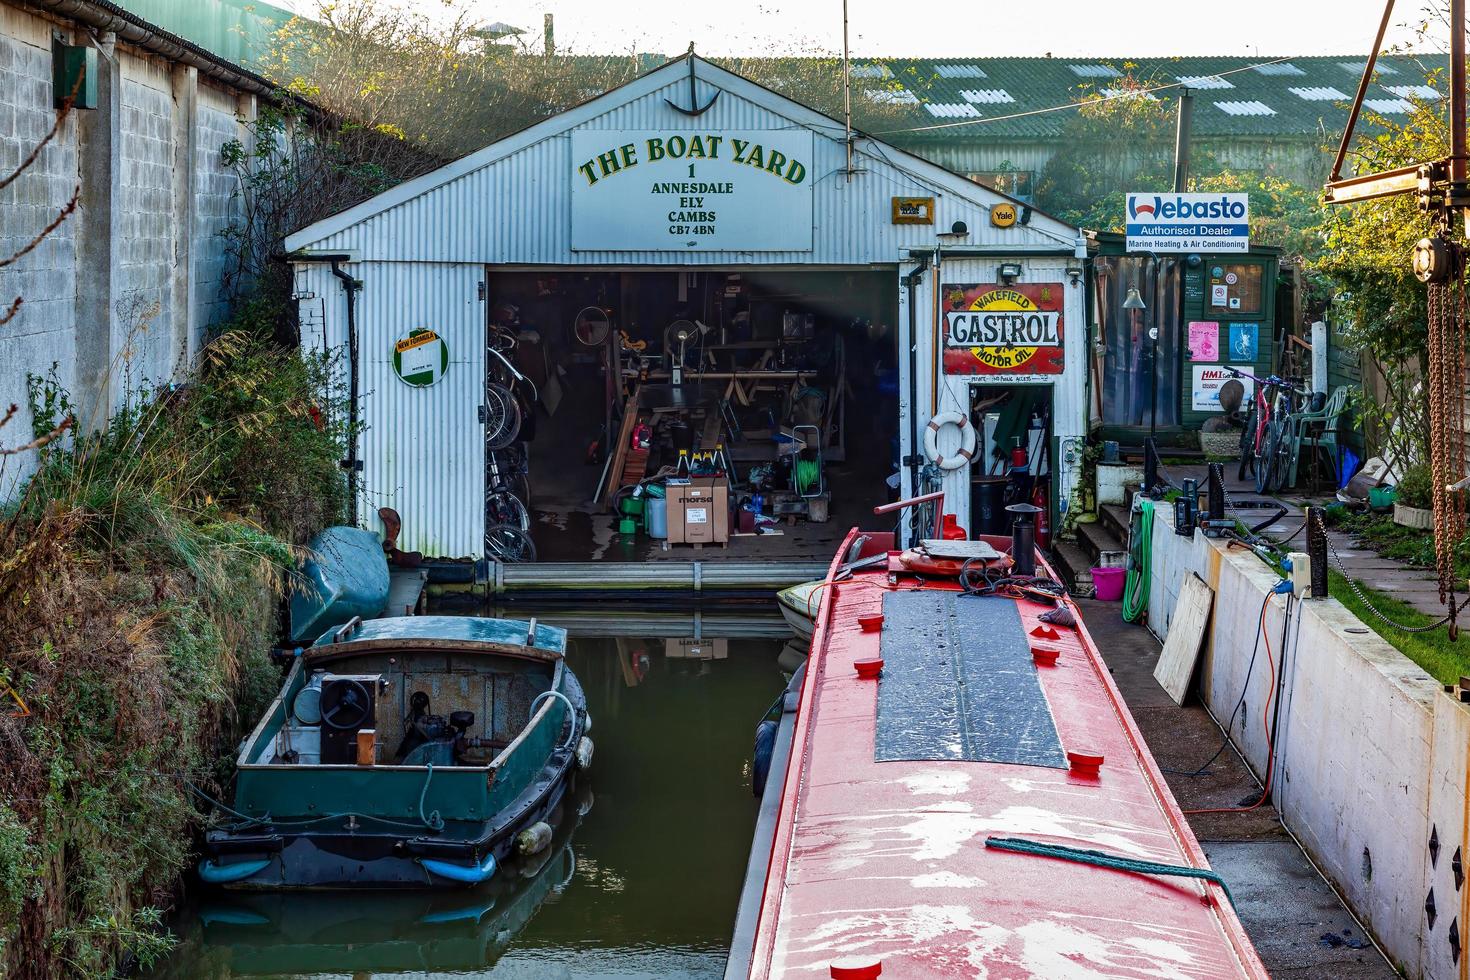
(533, 839)
(584, 753)
(967, 441)
(471, 875)
(765, 746)
(223, 874)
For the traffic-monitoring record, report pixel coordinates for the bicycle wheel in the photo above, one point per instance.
(502, 416)
(1247, 441)
(509, 544)
(1266, 462)
(510, 463)
(504, 507)
(1280, 457)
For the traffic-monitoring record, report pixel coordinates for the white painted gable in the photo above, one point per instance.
(510, 203)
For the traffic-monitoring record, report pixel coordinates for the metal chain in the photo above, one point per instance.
(1363, 598)
(1446, 343)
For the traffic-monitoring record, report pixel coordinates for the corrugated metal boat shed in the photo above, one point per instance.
(422, 249)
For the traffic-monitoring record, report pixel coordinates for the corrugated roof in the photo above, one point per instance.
(1302, 94)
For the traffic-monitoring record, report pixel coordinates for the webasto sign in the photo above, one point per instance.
(639, 190)
(1188, 222)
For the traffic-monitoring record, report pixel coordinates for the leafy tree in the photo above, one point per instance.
(1108, 146)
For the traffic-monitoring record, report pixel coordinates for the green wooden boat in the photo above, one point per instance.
(379, 933)
(416, 751)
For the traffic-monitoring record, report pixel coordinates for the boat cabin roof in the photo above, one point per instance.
(470, 634)
(895, 842)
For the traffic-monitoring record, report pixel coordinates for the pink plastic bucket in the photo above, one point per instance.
(1107, 583)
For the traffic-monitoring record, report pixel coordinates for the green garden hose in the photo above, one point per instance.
(1140, 547)
(808, 476)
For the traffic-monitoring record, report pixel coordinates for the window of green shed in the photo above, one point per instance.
(1242, 282)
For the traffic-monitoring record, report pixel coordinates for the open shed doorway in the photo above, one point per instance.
(780, 385)
(1013, 464)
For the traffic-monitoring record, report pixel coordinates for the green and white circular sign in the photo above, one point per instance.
(421, 358)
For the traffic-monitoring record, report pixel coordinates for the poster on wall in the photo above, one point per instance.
(421, 358)
(1210, 378)
(1244, 341)
(1204, 340)
(990, 329)
(691, 191)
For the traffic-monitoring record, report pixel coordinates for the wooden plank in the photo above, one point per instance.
(620, 451)
(1186, 637)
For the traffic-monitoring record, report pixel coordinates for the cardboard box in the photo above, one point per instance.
(699, 513)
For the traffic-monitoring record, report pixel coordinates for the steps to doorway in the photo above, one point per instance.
(1099, 544)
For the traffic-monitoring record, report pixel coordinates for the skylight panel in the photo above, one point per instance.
(1322, 93)
(988, 96)
(1425, 92)
(1204, 81)
(892, 96)
(1389, 106)
(1095, 71)
(1137, 93)
(951, 110)
(960, 71)
(1251, 108)
(871, 71)
(1356, 68)
(1280, 68)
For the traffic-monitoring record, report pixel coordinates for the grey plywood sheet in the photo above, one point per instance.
(1186, 637)
(959, 683)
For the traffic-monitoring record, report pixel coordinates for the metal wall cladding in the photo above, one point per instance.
(422, 449)
(512, 203)
(1069, 389)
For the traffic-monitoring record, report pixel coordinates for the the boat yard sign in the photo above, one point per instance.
(637, 190)
(1188, 222)
(990, 329)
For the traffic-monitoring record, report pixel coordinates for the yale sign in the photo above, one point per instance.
(731, 190)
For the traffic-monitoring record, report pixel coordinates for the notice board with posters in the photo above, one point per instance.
(1003, 329)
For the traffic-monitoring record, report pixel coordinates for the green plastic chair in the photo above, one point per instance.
(1317, 431)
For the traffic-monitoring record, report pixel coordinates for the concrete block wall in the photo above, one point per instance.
(145, 339)
(123, 292)
(1371, 756)
(41, 332)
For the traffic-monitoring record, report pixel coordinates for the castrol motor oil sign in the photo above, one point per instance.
(991, 329)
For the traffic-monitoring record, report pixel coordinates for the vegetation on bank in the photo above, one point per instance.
(1443, 659)
(138, 598)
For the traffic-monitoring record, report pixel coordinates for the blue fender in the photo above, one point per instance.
(469, 875)
(223, 874)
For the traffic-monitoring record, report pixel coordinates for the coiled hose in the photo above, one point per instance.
(1140, 548)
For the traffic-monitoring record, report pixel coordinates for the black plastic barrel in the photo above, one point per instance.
(988, 506)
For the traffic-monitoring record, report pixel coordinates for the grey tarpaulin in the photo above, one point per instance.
(959, 683)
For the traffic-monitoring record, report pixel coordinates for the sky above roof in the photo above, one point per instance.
(950, 28)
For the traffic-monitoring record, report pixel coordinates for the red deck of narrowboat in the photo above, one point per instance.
(895, 866)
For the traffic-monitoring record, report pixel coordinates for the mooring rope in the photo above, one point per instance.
(1099, 859)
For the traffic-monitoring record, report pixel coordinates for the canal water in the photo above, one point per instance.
(642, 884)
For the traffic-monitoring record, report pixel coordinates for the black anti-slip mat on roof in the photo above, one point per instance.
(959, 683)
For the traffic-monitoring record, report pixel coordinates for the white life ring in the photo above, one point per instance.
(967, 440)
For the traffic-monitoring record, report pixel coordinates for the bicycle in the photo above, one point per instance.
(504, 411)
(509, 544)
(506, 490)
(1266, 436)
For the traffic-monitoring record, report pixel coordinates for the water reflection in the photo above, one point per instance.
(643, 885)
